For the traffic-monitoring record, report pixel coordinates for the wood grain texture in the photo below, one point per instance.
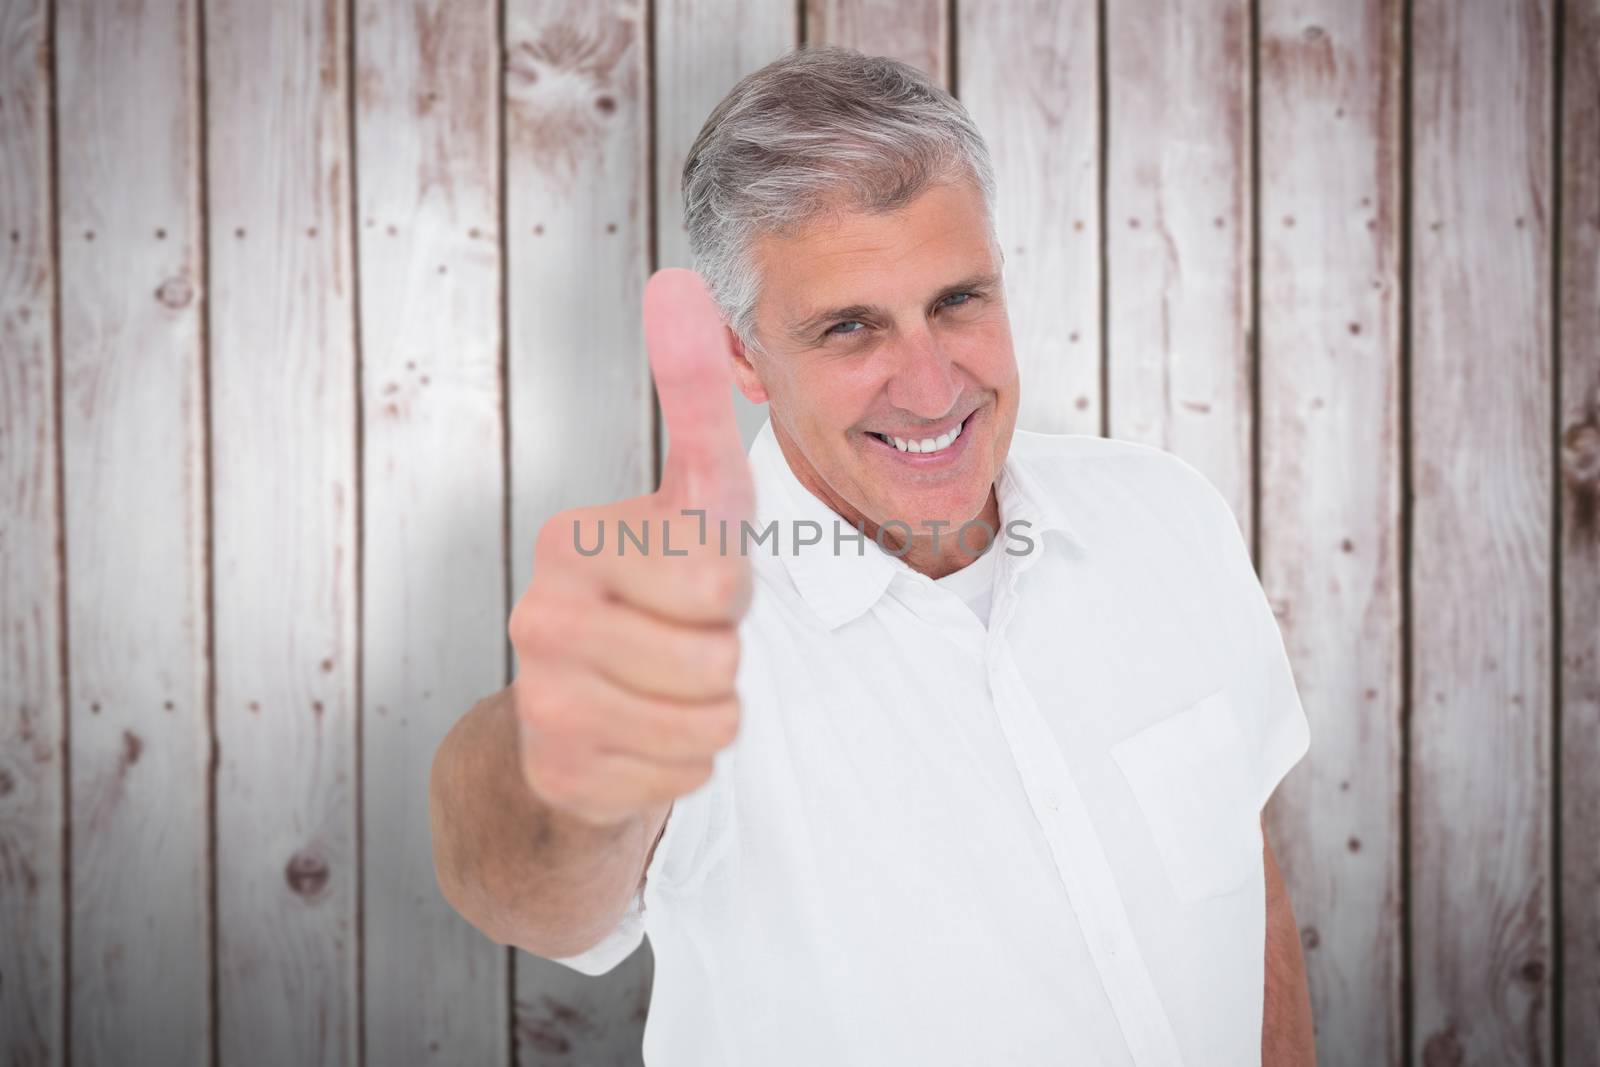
(1579, 593)
(912, 31)
(1030, 76)
(578, 218)
(133, 456)
(1330, 520)
(1178, 235)
(348, 644)
(428, 170)
(32, 701)
(1481, 559)
(284, 505)
(694, 70)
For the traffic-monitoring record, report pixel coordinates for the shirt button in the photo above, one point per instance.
(1110, 944)
(1052, 800)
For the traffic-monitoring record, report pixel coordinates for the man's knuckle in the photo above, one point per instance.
(719, 656)
(725, 719)
(550, 775)
(518, 621)
(545, 627)
(687, 776)
(717, 585)
(577, 622)
(555, 536)
(552, 708)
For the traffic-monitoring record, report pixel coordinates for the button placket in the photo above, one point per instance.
(1080, 859)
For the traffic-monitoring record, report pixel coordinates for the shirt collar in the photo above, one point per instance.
(840, 585)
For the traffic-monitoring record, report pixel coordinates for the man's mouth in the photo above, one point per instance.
(923, 445)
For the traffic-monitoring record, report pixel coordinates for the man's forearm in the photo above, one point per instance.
(524, 873)
(1288, 1037)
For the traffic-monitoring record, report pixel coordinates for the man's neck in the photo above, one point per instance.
(936, 553)
(952, 551)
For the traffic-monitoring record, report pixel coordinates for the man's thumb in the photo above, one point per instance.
(689, 359)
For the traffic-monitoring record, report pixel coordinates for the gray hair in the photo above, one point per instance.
(817, 130)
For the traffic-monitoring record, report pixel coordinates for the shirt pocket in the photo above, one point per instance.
(1190, 775)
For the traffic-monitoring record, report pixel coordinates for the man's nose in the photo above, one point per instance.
(923, 381)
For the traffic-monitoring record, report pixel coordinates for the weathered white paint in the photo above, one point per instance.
(1330, 494)
(284, 504)
(1030, 76)
(912, 31)
(296, 453)
(133, 451)
(1579, 459)
(578, 217)
(32, 702)
(689, 80)
(1481, 475)
(1178, 218)
(433, 498)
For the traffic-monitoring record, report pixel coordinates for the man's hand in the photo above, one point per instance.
(625, 662)
(1288, 1038)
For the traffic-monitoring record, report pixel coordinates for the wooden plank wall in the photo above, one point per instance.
(1330, 436)
(303, 305)
(1481, 231)
(133, 450)
(578, 225)
(430, 290)
(284, 502)
(33, 719)
(1577, 229)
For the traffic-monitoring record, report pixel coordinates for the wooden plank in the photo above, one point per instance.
(1030, 76)
(32, 701)
(434, 580)
(577, 234)
(1178, 234)
(1580, 529)
(912, 31)
(693, 72)
(1481, 568)
(133, 436)
(285, 503)
(1330, 546)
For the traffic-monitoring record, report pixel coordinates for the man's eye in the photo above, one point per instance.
(958, 299)
(837, 329)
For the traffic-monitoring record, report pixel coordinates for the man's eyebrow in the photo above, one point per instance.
(807, 326)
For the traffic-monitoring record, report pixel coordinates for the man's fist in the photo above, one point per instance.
(626, 661)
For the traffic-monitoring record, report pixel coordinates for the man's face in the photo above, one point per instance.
(890, 325)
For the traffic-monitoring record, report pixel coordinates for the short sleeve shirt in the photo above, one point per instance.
(941, 842)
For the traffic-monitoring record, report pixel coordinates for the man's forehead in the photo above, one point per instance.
(853, 264)
(856, 285)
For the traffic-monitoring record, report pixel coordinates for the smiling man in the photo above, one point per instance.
(910, 737)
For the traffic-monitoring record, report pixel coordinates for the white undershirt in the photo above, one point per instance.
(974, 583)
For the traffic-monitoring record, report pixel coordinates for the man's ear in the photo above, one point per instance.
(744, 371)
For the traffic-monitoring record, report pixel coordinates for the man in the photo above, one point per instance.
(912, 738)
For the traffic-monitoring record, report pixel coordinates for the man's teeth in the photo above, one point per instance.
(927, 444)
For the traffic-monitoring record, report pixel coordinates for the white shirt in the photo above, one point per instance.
(973, 583)
(935, 843)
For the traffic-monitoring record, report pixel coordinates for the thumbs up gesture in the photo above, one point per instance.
(626, 659)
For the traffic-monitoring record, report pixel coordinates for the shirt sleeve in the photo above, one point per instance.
(698, 833)
(615, 947)
(1285, 732)
(1269, 708)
